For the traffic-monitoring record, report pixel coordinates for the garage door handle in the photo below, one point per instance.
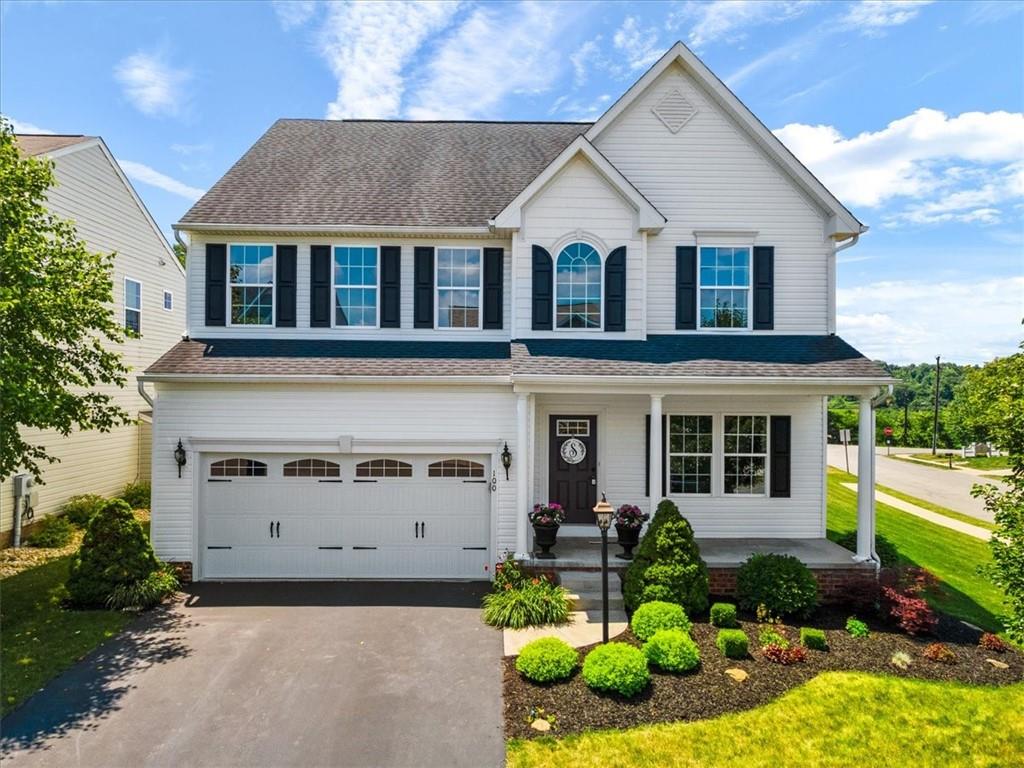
(423, 530)
(330, 547)
(417, 527)
(331, 481)
(363, 547)
(271, 529)
(218, 547)
(474, 548)
(278, 531)
(474, 481)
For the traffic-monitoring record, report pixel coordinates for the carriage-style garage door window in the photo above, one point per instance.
(238, 468)
(383, 468)
(311, 468)
(746, 454)
(578, 287)
(455, 468)
(458, 287)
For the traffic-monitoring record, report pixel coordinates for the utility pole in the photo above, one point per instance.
(935, 422)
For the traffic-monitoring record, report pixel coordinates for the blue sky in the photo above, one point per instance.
(911, 112)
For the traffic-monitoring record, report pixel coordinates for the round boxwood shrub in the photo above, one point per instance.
(616, 668)
(657, 615)
(885, 549)
(732, 643)
(672, 650)
(79, 509)
(781, 583)
(51, 532)
(547, 660)
(114, 552)
(723, 615)
(667, 565)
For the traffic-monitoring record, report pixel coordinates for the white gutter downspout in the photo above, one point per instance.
(831, 277)
(142, 391)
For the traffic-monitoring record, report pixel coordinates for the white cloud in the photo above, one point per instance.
(497, 51)
(153, 86)
(582, 57)
(294, 13)
(910, 321)
(729, 20)
(368, 47)
(146, 175)
(20, 126)
(942, 168)
(191, 149)
(873, 17)
(638, 44)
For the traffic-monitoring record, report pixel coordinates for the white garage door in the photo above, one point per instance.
(331, 517)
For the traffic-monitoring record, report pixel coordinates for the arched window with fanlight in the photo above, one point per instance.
(383, 468)
(578, 287)
(455, 468)
(312, 468)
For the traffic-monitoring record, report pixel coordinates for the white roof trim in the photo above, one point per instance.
(841, 225)
(649, 218)
(329, 229)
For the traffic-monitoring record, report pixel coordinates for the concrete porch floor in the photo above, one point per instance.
(585, 553)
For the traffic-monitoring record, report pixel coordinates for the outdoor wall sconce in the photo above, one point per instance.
(506, 459)
(179, 456)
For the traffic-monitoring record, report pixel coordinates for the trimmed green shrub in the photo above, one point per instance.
(79, 509)
(672, 650)
(771, 635)
(732, 643)
(723, 615)
(813, 638)
(114, 552)
(856, 627)
(518, 601)
(652, 617)
(136, 495)
(885, 549)
(667, 565)
(781, 583)
(144, 593)
(616, 668)
(547, 660)
(51, 532)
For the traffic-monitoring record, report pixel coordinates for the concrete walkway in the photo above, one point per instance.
(946, 488)
(926, 514)
(584, 628)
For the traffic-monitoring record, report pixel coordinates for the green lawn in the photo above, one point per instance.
(836, 719)
(951, 556)
(936, 508)
(974, 462)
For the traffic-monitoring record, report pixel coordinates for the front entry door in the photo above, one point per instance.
(573, 466)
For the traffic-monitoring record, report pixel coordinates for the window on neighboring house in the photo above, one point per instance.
(724, 287)
(133, 306)
(458, 287)
(312, 468)
(578, 287)
(745, 464)
(251, 273)
(355, 286)
(689, 454)
(455, 468)
(383, 468)
(238, 468)
(168, 301)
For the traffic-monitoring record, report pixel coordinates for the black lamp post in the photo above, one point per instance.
(179, 456)
(603, 511)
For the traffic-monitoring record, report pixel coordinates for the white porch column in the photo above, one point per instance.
(655, 452)
(521, 468)
(865, 480)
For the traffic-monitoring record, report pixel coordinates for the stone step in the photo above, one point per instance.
(586, 580)
(591, 600)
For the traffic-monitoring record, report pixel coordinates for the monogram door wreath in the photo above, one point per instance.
(573, 451)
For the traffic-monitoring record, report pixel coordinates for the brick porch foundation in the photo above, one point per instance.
(834, 584)
(183, 570)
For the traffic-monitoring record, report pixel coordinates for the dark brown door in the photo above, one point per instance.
(573, 466)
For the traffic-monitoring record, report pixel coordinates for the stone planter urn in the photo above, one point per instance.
(629, 537)
(544, 536)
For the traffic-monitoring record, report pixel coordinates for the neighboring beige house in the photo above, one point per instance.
(149, 294)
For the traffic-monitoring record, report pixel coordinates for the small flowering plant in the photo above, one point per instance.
(631, 516)
(547, 514)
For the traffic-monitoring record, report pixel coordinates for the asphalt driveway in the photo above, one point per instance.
(280, 674)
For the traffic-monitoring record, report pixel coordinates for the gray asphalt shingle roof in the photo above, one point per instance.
(782, 356)
(383, 173)
(40, 143)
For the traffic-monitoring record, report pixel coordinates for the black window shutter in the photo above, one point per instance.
(284, 286)
(615, 290)
(320, 286)
(686, 287)
(647, 456)
(781, 440)
(390, 286)
(543, 289)
(423, 287)
(494, 287)
(216, 283)
(764, 288)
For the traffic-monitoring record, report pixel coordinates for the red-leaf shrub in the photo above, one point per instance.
(778, 654)
(940, 653)
(992, 642)
(912, 613)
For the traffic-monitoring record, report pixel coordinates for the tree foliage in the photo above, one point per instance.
(55, 317)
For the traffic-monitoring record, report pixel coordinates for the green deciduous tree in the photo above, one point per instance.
(55, 316)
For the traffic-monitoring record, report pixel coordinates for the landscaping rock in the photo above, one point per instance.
(540, 724)
(737, 674)
(998, 664)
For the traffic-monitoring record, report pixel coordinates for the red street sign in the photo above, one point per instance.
(888, 431)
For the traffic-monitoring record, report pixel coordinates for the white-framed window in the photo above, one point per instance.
(238, 468)
(690, 451)
(251, 284)
(311, 468)
(133, 306)
(745, 455)
(572, 428)
(168, 301)
(356, 286)
(578, 283)
(455, 468)
(383, 468)
(459, 279)
(724, 287)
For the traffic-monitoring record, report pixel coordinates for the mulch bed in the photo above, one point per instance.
(709, 692)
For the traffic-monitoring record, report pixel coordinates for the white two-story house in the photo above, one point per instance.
(402, 335)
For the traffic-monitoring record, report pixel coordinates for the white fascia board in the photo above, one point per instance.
(846, 222)
(542, 383)
(222, 378)
(330, 229)
(649, 217)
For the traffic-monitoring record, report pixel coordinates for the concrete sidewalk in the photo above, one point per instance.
(926, 514)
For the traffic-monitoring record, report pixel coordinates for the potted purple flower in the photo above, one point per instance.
(545, 520)
(629, 519)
